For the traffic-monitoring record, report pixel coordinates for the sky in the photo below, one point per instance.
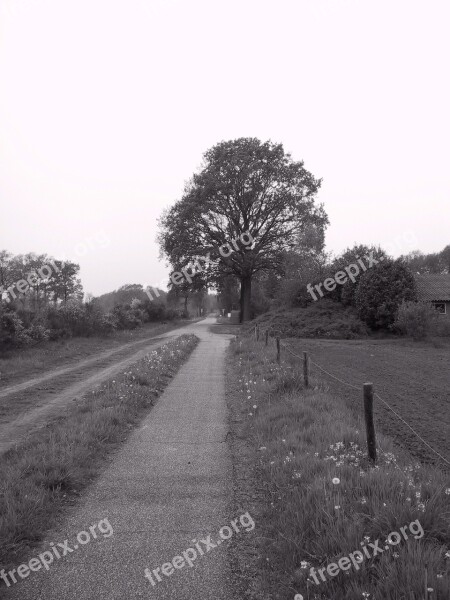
(106, 108)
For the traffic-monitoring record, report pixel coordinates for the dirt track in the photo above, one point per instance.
(413, 378)
(28, 405)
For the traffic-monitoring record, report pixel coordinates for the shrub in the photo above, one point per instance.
(12, 331)
(381, 290)
(415, 319)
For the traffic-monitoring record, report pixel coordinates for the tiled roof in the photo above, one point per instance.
(433, 288)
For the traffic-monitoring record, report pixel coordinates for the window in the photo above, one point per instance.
(440, 307)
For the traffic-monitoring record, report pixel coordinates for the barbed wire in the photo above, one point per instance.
(350, 385)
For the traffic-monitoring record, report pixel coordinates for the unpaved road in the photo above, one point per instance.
(29, 405)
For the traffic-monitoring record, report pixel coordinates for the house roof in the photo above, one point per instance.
(433, 288)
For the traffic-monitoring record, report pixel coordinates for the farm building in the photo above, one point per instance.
(435, 288)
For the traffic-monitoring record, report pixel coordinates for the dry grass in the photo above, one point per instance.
(51, 469)
(324, 319)
(300, 440)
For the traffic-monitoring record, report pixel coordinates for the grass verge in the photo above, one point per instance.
(289, 444)
(57, 462)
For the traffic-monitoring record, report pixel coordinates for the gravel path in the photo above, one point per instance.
(168, 485)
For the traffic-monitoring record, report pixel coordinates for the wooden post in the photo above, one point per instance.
(267, 337)
(305, 369)
(368, 415)
(278, 349)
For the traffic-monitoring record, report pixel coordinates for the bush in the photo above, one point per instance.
(381, 290)
(38, 333)
(415, 319)
(12, 331)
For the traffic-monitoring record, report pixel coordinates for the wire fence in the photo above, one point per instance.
(349, 385)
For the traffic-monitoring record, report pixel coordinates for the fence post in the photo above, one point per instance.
(278, 349)
(368, 416)
(305, 369)
(267, 337)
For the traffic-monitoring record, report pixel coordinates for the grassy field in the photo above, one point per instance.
(39, 478)
(301, 470)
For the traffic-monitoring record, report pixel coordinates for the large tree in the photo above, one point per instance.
(245, 185)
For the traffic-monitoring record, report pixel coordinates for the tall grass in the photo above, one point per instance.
(303, 439)
(58, 462)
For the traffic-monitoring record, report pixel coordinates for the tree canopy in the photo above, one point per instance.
(244, 186)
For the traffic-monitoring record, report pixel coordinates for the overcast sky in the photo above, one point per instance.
(106, 108)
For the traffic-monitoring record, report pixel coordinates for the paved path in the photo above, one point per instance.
(169, 484)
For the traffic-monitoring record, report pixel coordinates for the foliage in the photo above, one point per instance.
(415, 319)
(381, 290)
(420, 320)
(436, 262)
(245, 186)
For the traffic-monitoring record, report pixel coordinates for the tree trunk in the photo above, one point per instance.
(246, 295)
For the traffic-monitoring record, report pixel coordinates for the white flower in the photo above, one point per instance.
(337, 507)
(304, 564)
(447, 491)
(336, 481)
(254, 406)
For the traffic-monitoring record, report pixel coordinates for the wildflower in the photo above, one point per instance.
(396, 555)
(365, 594)
(337, 507)
(447, 491)
(421, 506)
(304, 564)
(254, 406)
(263, 448)
(363, 501)
(336, 481)
(439, 575)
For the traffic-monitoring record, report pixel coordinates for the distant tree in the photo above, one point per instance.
(436, 262)
(381, 290)
(244, 186)
(63, 283)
